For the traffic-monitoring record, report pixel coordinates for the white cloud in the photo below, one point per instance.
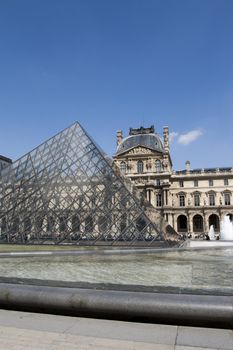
(189, 137)
(172, 136)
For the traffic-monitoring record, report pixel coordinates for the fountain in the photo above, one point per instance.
(225, 239)
(226, 231)
(212, 233)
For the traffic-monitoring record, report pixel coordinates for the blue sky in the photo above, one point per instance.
(118, 64)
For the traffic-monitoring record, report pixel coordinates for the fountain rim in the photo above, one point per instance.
(179, 309)
(116, 251)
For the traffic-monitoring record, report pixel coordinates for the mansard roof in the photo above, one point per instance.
(151, 141)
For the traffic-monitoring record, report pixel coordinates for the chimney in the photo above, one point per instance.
(119, 137)
(187, 166)
(166, 138)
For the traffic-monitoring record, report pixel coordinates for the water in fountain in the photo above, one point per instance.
(226, 232)
(212, 233)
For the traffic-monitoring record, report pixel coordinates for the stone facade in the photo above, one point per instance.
(189, 200)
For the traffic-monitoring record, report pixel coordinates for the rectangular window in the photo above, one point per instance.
(149, 196)
(158, 200)
(158, 182)
(226, 182)
(181, 183)
(195, 183)
(197, 200)
(211, 182)
(211, 199)
(227, 199)
(140, 166)
(182, 201)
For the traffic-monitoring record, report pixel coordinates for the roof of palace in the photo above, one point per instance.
(141, 137)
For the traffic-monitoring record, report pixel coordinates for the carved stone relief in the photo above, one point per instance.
(140, 150)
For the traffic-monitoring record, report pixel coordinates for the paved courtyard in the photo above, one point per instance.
(30, 331)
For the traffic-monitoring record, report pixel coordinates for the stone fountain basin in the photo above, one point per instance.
(173, 286)
(207, 244)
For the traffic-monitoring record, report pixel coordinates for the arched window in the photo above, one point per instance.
(158, 166)
(50, 224)
(182, 223)
(3, 226)
(15, 226)
(89, 224)
(214, 220)
(75, 224)
(123, 167)
(123, 222)
(140, 224)
(62, 224)
(140, 166)
(39, 222)
(197, 223)
(102, 224)
(27, 225)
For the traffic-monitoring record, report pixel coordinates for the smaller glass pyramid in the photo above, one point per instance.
(65, 191)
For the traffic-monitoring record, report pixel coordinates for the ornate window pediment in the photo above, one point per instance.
(196, 193)
(181, 193)
(226, 191)
(211, 192)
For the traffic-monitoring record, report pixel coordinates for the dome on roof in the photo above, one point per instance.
(151, 141)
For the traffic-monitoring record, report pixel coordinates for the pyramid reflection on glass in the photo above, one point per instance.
(66, 191)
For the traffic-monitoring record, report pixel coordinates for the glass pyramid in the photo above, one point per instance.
(66, 191)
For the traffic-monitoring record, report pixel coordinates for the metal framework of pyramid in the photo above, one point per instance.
(66, 191)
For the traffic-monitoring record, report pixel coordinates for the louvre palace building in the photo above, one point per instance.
(190, 200)
(67, 191)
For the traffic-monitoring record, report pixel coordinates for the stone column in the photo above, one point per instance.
(174, 220)
(189, 224)
(204, 224)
